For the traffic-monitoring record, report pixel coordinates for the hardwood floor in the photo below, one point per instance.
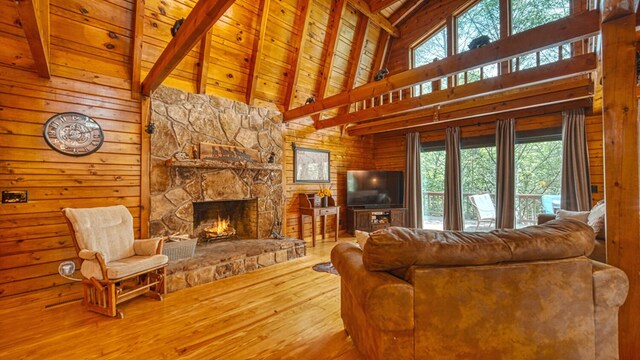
(285, 311)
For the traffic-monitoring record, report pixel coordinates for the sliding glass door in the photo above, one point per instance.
(538, 160)
(432, 165)
(478, 165)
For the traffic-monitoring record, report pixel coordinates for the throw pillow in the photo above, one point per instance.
(596, 219)
(361, 238)
(582, 216)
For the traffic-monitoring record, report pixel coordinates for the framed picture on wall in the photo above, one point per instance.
(311, 165)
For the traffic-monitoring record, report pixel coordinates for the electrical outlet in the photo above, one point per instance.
(14, 196)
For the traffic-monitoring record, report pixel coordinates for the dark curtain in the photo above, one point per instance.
(453, 182)
(575, 190)
(505, 179)
(412, 181)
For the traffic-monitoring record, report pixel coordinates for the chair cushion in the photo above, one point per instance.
(108, 230)
(124, 267)
(397, 248)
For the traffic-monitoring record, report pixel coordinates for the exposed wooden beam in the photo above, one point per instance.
(375, 17)
(381, 53)
(302, 23)
(145, 167)
(136, 48)
(203, 64)
(621, 178)
(564, 30)
(515, 114)
(539, 95)
(258, 51)
(377, 5)
(335, 20)
(545, 73)
(202, 17)
(34, 17)
(357, 48)
(404, 11)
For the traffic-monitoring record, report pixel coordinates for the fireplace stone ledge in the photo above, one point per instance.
(222, 259)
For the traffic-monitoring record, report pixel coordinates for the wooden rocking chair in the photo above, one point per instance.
(115, 267)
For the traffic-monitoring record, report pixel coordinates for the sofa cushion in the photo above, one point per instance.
(596, 219)
(361, 238)
(397, 248)
(582, 216)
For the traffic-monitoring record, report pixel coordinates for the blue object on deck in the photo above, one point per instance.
(550, 203)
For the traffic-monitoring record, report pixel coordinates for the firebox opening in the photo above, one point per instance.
(226, 219)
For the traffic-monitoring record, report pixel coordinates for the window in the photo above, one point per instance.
(432, 166)
(478, 170)
(527, 14)
(538, 163)
(434, 48)
(483, 18)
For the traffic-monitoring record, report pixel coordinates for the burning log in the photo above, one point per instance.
(220, 229)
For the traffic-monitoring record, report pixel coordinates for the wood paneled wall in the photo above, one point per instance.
(389, 150)
(347, 153)
(90, 45)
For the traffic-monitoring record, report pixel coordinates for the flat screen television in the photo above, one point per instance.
(375, 189)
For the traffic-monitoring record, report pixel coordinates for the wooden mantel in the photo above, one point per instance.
(217, 164)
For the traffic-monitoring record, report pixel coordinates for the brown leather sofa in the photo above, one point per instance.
(599, 246)
(508, 294)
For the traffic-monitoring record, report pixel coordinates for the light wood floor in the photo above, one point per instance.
(285, 311)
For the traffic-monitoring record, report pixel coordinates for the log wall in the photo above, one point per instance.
(90, 53)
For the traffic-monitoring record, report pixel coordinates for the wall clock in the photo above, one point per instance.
(73, 134)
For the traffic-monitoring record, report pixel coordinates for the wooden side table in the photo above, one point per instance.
(307, 209)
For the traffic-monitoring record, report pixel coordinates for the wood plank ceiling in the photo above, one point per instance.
(278, 52)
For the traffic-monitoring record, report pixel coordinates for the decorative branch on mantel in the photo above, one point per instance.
(217, 164)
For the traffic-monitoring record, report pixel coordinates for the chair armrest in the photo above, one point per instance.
(85, 254)
(543, 218)
(610, 285)
(148, 247)
(387, 300)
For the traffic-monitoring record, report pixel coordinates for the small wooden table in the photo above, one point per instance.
(309, 207)
(321, 212)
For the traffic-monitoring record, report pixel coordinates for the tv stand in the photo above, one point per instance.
(372, 219)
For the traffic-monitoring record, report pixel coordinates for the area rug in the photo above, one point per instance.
(325, 267)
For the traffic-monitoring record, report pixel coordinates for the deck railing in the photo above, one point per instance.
(527, 206)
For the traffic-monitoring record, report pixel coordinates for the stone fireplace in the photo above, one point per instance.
(226, 219)
(183, 121)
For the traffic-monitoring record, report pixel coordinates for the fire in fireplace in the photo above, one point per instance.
(226, 219)
(219, 230)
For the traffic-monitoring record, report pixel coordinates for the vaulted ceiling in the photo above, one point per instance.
(280, 51)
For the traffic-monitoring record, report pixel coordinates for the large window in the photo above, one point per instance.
(432, 49)
(528, 14)
(482, 19)
(538, 162)
(432, 166)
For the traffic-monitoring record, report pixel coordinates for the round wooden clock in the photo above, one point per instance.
(73, 134)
